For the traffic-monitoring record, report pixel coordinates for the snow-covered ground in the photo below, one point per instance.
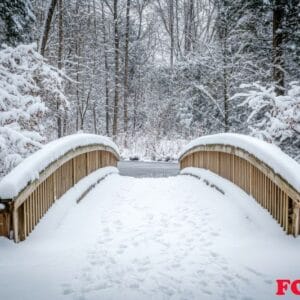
(151, 238)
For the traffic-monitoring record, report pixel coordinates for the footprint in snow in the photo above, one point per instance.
(120, 251)
(167, 291)
(134, 286)
(242, 278)
(268, 281)
(207, 292)
(214, 254)
(176, 266)
(214, 233)
(67, 289)
(257, 273)
(96, 263)
(143, 269)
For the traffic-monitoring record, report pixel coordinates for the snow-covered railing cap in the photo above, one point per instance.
(282, 164)
(30, 168)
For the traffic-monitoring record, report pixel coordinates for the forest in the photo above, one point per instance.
(151, 74)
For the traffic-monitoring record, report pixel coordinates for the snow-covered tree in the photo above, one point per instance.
(274, 118)
(16, 20)
(179, 62)
(27, 86)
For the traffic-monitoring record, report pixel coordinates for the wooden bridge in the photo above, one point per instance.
(23, 212)
(25, 203)
(270, 189)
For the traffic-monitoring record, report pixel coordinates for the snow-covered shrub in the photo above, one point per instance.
(274, 118)
(145, 146)
(27, 83)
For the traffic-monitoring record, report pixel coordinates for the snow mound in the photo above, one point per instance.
(270, 154)
(208, 177)
(28, 170)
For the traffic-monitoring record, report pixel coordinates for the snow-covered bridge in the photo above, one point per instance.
(260, 169)
(181, 237)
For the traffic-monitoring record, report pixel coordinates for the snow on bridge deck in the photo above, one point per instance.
(151, 238)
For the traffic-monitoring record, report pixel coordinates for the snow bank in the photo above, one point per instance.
(28, 170)
(207, 177)
(88, 182)
(270, 154)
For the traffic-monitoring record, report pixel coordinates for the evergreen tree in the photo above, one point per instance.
(16, 19)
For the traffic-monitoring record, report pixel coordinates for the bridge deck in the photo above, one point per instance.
(150, 238)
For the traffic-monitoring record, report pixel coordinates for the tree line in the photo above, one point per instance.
(168, 68)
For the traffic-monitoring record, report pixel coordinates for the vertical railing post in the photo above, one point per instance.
(15, 225)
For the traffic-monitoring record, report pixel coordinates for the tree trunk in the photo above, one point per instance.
(126, 88)
(171, 4)
(65, 123)
(60, 63)
(106, 71)
(179, 53)
(189, 19)
(95, 119)
(225, 80)
(278, 36)
(117, 72)
(191, 23)
(225, 96)
(47, 26)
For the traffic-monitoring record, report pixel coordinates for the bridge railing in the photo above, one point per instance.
(274, 186)
(60, 165)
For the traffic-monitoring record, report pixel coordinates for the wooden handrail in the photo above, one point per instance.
(23, 212)
(254, 176)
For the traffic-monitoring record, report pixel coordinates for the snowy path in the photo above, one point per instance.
(150, 238)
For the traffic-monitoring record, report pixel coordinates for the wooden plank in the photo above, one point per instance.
(30, 214)
(33, 213)
(21, 222)
(15, 225)
(25, 230)
(281, 208)
(287, 213)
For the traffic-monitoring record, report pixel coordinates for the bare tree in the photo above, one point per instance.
(117, 71)
(106, 70)
(171, 26)
(60, 62)
(126, 88)
(188, 25)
